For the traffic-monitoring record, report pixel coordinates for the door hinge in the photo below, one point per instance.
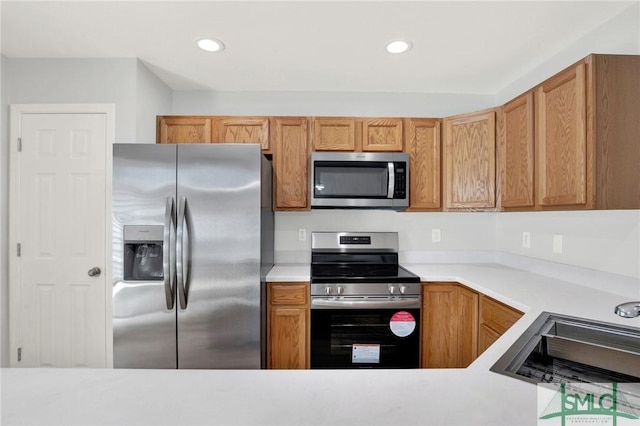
(19, 144)
(19, 249)
(19, 354)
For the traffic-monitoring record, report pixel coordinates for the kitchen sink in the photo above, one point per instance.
(558, 348)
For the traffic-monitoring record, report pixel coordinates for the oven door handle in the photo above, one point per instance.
(323, 303)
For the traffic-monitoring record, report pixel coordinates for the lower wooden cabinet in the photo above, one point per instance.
(495, 319)
(288, 325)
(458, 324)
(449, 325)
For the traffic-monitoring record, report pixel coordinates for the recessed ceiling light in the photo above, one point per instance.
(210, 45)
(398, 46)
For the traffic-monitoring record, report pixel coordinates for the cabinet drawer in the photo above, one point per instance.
(288, 294)
(497, 316)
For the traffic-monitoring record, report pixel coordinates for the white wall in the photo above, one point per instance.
(620, 35)
(152, 98)
(328, 103)
(461, 232)
(602, 240)
(79, 81)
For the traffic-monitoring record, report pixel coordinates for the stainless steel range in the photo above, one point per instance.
(365, 307)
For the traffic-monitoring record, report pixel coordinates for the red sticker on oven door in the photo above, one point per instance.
(402, 324)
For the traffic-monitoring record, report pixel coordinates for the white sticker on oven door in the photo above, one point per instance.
(365, 354)
(402, 324)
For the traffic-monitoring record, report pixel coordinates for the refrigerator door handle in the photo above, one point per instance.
(182, 266)
(169, 225)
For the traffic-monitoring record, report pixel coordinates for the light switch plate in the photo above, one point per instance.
(526, 239)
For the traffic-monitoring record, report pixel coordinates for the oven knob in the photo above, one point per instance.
(392, 290)
(403, 289)
(340, 289)
(328, 290)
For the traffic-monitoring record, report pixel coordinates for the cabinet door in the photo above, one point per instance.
(486, 338)
(183, 130)
(467, 315)
(449, 325)
(439, 325)
(335, 134)
(422, 143)
(561, 144)
(287, 328)
(382, 134)
(469, 154)
(495, 319)
(291, 163)
(516, 153)
(242, 130)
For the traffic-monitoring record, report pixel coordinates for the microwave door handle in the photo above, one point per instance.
(392, 179)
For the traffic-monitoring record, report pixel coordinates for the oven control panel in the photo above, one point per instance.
(365, 289)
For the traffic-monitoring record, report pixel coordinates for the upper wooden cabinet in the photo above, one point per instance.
(213, 129)
(582, 126)
(242, 130)
(590, 115)
(335, 134)
(422, 143)
(470, 161)
(290, 141)
(562, 139)
(516, 135)
(382, 134)
(183, 129)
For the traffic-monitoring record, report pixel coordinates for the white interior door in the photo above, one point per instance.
(61, 241)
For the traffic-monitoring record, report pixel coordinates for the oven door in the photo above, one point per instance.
(365, 337)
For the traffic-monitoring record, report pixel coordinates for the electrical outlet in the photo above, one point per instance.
(436, 235)
(526, 239)
(557, 243)
(302, 234)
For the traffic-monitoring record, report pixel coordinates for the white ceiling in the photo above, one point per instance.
(472, 47)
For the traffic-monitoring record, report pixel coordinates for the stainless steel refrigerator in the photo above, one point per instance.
(192, 242)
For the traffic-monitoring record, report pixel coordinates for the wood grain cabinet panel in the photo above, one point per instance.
(183, 129)
(562, 139)
(382, 134)
(422, 143)
(291, 163)
(242, 130)
(335, 133)
(458, 324)
(288, 325)
(517, 152)
(449, 325)
(495, 319)
(469, 161)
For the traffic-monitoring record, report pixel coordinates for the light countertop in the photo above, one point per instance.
(471, 396)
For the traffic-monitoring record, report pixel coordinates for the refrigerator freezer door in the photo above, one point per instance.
(144, 327)
(219, 194)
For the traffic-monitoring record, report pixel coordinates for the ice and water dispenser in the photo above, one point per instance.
(143, 252)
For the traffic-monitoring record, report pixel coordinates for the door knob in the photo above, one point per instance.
(94, 272)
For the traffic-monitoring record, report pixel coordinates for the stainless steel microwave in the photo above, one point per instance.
(359, 180)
